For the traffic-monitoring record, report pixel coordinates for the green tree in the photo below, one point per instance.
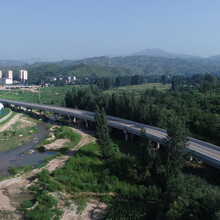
(145, 155)
(175, 147)
(102, 132)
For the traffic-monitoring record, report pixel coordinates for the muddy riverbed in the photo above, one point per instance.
(19, 155)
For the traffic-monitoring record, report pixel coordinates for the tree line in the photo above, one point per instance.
(197, 105)
(163, 190)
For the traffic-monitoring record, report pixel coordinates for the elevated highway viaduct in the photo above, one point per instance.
(208, 153)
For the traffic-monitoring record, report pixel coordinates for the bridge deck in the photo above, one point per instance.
(207, 152)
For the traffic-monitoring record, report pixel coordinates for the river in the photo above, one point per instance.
(17, 156)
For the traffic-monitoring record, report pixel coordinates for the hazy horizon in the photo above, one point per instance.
(71, 29)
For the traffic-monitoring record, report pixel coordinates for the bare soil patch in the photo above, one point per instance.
(57, 144)
(9, 123)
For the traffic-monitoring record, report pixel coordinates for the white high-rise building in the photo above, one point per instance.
(9, 74)
(23, 75)
(1, 79)
(9, 77)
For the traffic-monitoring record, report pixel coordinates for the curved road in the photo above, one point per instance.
(204, 151)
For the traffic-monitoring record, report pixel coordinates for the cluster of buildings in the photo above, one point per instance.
(65, 79)
(8, 78)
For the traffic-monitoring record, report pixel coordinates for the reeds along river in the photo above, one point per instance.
(18, 156)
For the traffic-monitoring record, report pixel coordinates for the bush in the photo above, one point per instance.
(15, 170)
(47, 183)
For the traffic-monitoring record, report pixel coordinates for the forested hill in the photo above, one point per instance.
(156, 65)
(40, 71)
(137, 65)
(118, 66)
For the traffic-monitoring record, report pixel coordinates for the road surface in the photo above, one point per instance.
(204, 151)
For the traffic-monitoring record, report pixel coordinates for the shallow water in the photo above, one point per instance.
(17, 157)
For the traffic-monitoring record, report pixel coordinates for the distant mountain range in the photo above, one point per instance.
(147, 62)
(161, 53)
(216, 57)
(106, 60)
(8, 63)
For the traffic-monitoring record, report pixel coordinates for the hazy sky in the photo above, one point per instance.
(72, 29)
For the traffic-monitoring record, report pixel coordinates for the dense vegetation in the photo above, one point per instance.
(91, 68)
(196, 103)
(146, 184)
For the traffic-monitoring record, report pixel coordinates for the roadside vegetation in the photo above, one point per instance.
(145, 184)
(194, 100)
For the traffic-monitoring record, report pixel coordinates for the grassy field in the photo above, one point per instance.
(5, 112)
(56, 95)
(44, 95)
(139, 89)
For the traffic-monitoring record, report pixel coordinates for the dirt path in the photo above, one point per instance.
(56, 144)
(59, 162)
(11, 122)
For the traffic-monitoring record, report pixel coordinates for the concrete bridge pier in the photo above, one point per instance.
(29, 109)
(69, 119)
(87, 124)
(74, 119)
(158, 146)
(16, 107)
(56, 116)
(126, 135)
(41, 113)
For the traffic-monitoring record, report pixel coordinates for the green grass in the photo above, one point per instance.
(81, 203)
(45, 208)
(64, 132)
(139, 89)
(44, 95)
(87, 172)
(15, 170)
(5, 112)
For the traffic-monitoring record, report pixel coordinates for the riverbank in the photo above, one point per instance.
(14, 190)
(17, 131)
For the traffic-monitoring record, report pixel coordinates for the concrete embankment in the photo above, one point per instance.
(6, 117)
